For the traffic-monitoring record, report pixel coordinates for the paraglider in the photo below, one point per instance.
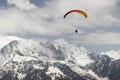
(77, 11)
(76, 31)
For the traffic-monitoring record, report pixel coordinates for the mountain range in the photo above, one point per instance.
(30, 59)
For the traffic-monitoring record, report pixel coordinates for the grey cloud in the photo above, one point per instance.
(39, 3)
(3, 3)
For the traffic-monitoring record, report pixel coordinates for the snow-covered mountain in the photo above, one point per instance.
(112, 54)
(22, 56)
(57, 50)
(4, 40)
(104, 66)
(26, 59)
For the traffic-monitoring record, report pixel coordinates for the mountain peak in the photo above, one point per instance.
(112, 54)
(4, 40)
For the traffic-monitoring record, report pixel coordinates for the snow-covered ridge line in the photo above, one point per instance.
(4, 40)
(59, 50)
(112, 54)
(65, 58)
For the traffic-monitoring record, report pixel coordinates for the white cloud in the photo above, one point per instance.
(48, 19)
(99, 12)
(22, 4)
(102, 38)
(24, 23)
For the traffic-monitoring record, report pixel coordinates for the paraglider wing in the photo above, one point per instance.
(78, 11)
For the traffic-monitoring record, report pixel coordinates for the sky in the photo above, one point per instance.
(44, 19)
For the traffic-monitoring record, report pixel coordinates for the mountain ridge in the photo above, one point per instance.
(55, 59)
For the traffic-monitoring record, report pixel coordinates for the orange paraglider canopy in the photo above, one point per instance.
(78, 11)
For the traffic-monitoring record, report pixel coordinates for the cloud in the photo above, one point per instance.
(39, 3)
(99, 12)
(22, 4)
(28, 19)
(96, 38)
(21, 22)
(102, 38)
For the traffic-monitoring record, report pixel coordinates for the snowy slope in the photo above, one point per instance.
(58, 50)
(112, 54)
(4, 40)
(22, 55)
(73, 53)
